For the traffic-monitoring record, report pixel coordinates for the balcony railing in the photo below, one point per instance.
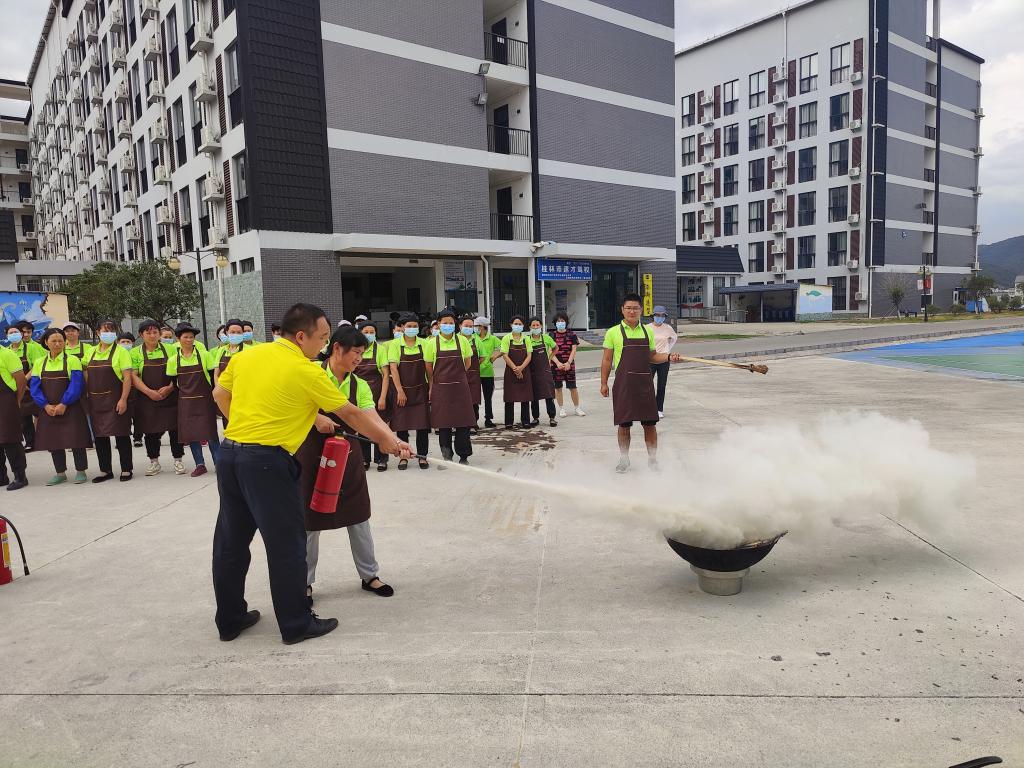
(508, 141)
(511, 226)
(505, 50)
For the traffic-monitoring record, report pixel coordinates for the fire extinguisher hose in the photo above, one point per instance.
(368, 441)
(24, 562)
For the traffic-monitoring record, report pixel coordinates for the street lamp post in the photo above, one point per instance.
(220, 260)
(926, 288)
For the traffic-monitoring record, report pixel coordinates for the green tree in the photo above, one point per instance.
(978, 287)
(153, 290)
(96, 294)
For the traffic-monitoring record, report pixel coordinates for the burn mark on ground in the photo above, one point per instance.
(517, 441)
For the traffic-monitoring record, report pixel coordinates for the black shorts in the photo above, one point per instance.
(569, 383)
(629, 424)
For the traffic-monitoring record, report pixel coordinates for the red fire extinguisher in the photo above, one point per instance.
(328, 478)
(6, 574)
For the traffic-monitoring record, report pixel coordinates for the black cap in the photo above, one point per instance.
(181, 328)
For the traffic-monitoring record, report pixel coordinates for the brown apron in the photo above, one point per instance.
(79, 353)
(154, 417)
(415, 414)
(540, 372)
(517, 390)
(354, 499)
(58, 433)
(633, 389)
(28, 405)
(222, 365)
(473, 375)
(10, 415)
(197, 413)
(104, 390)
(368, 371)
(451, 404)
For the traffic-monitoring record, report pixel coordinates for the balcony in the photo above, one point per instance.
(508, 141)
(505, 50)
(511, 226)
(931, 89)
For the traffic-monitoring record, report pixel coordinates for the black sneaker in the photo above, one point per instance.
(18, 484)
(317, 628)
(250, 619)
(489, 424)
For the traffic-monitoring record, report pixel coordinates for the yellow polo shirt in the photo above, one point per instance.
(275, 395)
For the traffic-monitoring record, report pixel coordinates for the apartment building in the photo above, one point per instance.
(835, 143)
(365, 155)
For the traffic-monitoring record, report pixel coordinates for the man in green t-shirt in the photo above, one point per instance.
(488, 347)
(629, 350)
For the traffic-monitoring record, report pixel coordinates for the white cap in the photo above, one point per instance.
(343, 322)
(76, 326)
(360, 318)
(482, 320)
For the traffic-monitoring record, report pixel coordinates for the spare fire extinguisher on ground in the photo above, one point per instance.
(6, 574)
(328, 478)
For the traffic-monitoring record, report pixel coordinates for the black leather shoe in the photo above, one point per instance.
(384, 590)
(104, 477)
(250, 619)
(18, 484)
(317, 628)
(489, 424)
(463, 460)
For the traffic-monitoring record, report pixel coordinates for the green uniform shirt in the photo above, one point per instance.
(382, 355)
(364, 395)
(119, 357)
(33, 350)
(141, 354)
(457, 341)
(613, 340)
(80, 351)
(10, 364)
(507, 341)
(485, 347)
(218, 353)
(401, 348)
(543, 342)
(56, 364)
(203, 358)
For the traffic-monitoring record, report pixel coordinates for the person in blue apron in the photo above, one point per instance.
(629, 350)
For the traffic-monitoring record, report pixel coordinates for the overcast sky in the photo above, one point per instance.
(993, 29)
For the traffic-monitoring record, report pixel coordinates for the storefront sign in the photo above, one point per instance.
(459, 275)
(648, 282)
(564, 269)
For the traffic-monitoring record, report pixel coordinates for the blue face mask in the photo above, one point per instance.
(166, 341)
(536, 331)
(447, 328)
(559, 326)
(108, 337)
(370, 337)
(397, 334)
(517, 327)
(247, 336)
(236, 338)
(467, 331)
(412, 333)
(126, 344)
(659, 319)
(14, 338)
(223, 338)
(435, 331)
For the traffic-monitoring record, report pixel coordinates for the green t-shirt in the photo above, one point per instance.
(485, 347)
(79, 351)
(158, 356)
(613, 339)
(401, 348)
(33, 350)
(203, 358)
(219, 353)
(382, 354)
(544, 342)
(10, 364)
(119, 357)
(457, 341)
(55, 364)
(364, 395)
(507, 341)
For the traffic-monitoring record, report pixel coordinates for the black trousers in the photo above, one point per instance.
(487, 387)
(259, 489)
(550, 401)
(422, 440)
(660, 372)
(15, 453)
(463, 445)
(28, 429)
(153, 445)
(524, 413)
(60, 460)
(124, 453)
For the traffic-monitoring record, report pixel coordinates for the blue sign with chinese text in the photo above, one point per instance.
(564, 269)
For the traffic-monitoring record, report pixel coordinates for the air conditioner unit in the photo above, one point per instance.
(213, 189)
(709, 120)
(218, 239)
(779, 206)
(131, 233)
(204, 37)
(158, 132)
(124, 130)
(129, 199)
(24, 167)
(26, 201)
(161, 175)
(853, 219)
(709, 238)
(780, 121)
(92, 32)
(128, 162)
(73, 39)
(708, 199)
(206, 88)
(856, 77)
(779, 164)
(150, 9)
(101, 156)
(164, 215)
(855, 172)
(156, 92)
(780, 268)
(860, 296)
(210, 140)
(779, 186)
(121, 94)
(107, 250)
(856, 125)
(781, 74)
(979, 112)
(779, 100)
(96, 96)
(118, 58)
(708, 100)
(87, 203)
(853, 264)
(707, 138)
(708, 160)
(93, 61)
(103, 185)
(99, 127)
(708, 218)
(152, 52)
(779, 249)
(779, 229)
(105, 216)
(707, 179)
(71, 254)
(166, 253)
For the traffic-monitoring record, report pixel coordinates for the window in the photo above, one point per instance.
(730, 180)
(21, 156)
(171, 26)
(758, 126)
(27, 225)
(808, 119)
(689, 189)
(195, 110)
(129, 22)
(24, 190)
(188, 21)
(731, 140)
(838, 293)
(136, 92)
(241, 188)
(839, 158)
(755, 216)
(689, 110)
(204, 218)
(840, 63)
(147, 234)
(839, 112)
(178, 131)
(808, 164)
(837, 204)
(730, 220)
(229, 7)
(836, 249)
(805, 252)
(689, 226)
(717, 284)
(805, 209)
(140, 166)
(185, 218)
(689, 150)
(247, 265)
(234, 82)
(755, 257)
(730, 97)
(758, 89)
(690, 291)
(809, 73)
(756, 175)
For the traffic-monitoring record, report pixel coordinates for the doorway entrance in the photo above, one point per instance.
(511, 297)
(610, 283)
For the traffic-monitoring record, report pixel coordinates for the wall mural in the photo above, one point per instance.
(43, 310)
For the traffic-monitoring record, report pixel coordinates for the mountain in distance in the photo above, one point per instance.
(1003, 261)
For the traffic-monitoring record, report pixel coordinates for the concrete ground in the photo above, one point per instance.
(525, 634)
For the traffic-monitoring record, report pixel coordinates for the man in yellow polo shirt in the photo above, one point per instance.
(271, 396)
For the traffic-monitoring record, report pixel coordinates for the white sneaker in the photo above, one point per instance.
(154, 468)
(179, 468)
(580, 411)
(561, 413)
(661, 414)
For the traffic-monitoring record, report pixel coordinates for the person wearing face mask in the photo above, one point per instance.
(13, 384)
(191, 367)
(19, 341)
(665, 339)
(247, 333)
(409, 376)
(75, 346)
(234, 343)
(540, 372)
(108, 377)
(126, 340)
(488, 346)
(272, 396)
(167, 336)
(435, 329)
(222, 337)
(58, 384)
(156, 410)
(563, 363)
(448, 355)
(468, 330)
(517, 349)
(375, 369)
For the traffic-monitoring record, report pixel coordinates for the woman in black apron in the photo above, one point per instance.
(58, 385)
(468, 329)
(197, 412)
(346, 350)
(540, 372)
(223, 354)
(375, 370)
(156, 410)
(20, 343)
(517, 351)
(409, 374)
(451, 403)
(108, 377)
(127, 342)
